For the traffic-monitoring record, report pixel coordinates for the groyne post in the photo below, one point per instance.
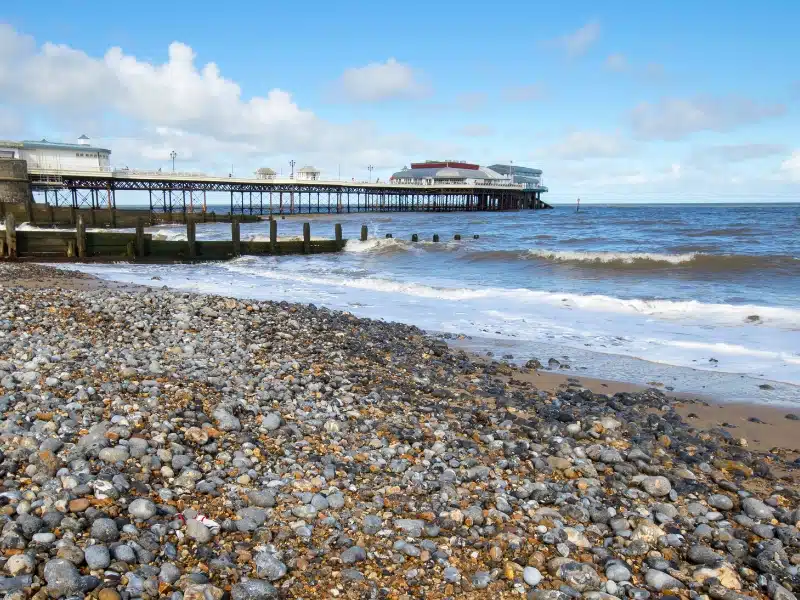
(414, 237)
(364, 233)
(435, 237)
(191, 227)
(11, 235)
(29, 214)
(273, 236)
(338, 233)
(80, 236)
(306, 238)
(140, 237)
(457, 236)
(388, 236)
(235, 236)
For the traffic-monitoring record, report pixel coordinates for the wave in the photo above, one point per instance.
(645, 260)
(745, 315)
(731, 231)
(389, 246)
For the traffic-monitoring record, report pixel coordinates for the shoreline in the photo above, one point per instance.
(764, 427)
(158, 443)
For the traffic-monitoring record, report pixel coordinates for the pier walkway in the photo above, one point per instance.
(181, 192)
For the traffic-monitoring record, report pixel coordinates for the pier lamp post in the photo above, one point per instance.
(292, 164)
(369, 168)
(173, 155)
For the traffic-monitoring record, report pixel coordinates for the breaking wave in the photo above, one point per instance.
(720, 314)
(645, 260)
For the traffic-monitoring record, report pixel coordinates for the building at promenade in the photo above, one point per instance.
(80, 156)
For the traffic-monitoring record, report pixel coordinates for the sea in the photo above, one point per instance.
(702, 299)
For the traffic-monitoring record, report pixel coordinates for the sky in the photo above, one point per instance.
(616, 102)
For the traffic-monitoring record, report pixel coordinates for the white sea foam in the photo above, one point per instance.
(611, 257)
(719, 314)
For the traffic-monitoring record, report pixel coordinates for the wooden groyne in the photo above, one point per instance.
(80, 245)
(44, 215)
(49, 245)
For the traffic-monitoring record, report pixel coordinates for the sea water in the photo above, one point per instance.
(697, 298)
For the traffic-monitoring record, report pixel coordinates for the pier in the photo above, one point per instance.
(188, 192)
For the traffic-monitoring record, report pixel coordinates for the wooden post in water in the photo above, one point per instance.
(414, 237)
(80, 236)
(191, 227)
(306, 238)
(70, 248)
(476, 237)
(338, 232)
(388, 236)
(92, 217)
(364, 233)
(52, 213)
(235, 237)
(273, 236)
(11, 235)
(457, 236)
(73, 218)
(435, 237)
(139, 237)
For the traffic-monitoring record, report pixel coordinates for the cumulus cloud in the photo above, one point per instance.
(578, 42)
(180, 104)
(580, 145)
(377, 82)
(524, 93)
(676, 118)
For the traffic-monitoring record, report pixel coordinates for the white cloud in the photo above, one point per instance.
(790, 167)
(524, 93)
(179, 104)
(580, 145)
(377, 82)
(579, 41)
(616, 62)
(476, 130)
(676, 118)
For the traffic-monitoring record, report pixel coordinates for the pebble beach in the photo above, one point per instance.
(162, 444)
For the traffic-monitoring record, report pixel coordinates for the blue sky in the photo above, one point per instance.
(672, 101)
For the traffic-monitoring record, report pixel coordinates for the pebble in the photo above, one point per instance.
(338, 453)
(532, 576)
(656, 486)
